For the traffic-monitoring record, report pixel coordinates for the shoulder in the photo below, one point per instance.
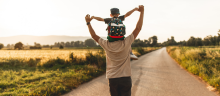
(102, 42)
(130, 38)
(107, 20)
(122, 17)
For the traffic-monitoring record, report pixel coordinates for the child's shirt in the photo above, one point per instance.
(107, 20)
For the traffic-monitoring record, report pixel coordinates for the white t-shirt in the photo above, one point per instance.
(117, 57)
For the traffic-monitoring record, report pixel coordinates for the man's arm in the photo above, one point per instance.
(92, 32)
(130, 12)
(140, 22)
(97, 18)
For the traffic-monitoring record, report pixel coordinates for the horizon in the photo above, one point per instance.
(181, 19)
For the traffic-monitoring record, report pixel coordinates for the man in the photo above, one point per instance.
(118, 69)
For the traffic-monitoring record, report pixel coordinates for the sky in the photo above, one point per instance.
(163, 18)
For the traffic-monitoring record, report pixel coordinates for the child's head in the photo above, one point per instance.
(114, 12)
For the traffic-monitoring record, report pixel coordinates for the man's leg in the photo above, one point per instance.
(120, 86)
(113, 86)
(125, 86)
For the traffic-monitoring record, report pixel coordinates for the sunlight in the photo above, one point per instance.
(32, 16)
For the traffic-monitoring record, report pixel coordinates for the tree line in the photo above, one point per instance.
(192, 41)
(150, 42)
(61, 45)
(195, 41)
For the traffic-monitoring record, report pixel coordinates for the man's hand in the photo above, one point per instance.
(88, 19)
(141, 8)
(92, 32)
(136, 9)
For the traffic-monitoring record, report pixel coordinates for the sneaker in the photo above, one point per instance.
(133, 57)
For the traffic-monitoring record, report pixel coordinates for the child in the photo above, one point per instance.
(115, 14)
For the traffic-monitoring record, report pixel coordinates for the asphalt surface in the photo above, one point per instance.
(154, 74)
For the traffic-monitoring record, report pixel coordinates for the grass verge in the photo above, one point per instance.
(204, 62)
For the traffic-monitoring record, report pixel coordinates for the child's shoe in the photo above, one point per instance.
(133, 57)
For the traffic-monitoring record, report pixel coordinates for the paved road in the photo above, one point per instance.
(154, 74)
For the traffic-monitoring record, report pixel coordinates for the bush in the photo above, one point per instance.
(1, 46)
(52, 62)
(19, 46)
(140, 51)
(61, 47)
(74, 59)
(98, 59)
(34, 47)
(201, 62)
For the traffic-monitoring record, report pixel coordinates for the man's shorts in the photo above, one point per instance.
(120, 86)
(110, 39)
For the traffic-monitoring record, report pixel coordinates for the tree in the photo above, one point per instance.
(146, 43)
(72, 43)
(62, 43)
(182, 43)
(205, 41)
(173, 42)
(76, 44)
(154, 38)
(138, 43)
(67, 44)
(198, 42)
(18, 46)
(61, 47)
(1, 45)
(191, 41)
(90, 43)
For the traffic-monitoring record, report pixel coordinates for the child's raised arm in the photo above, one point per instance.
(97, 18)
(130, 12)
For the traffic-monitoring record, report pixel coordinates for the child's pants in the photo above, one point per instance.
(120, 86)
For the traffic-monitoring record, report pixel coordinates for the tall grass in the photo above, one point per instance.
(50, 72)
(56, 76)
(143, 50)
(204, 62)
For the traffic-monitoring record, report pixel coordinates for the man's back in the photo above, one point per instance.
(117, 57)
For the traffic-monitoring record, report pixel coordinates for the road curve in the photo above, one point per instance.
(154, 74)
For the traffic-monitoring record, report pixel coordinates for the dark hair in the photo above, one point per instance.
(115, 11)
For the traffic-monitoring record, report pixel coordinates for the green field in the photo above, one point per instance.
(50, 72)
(201, 61)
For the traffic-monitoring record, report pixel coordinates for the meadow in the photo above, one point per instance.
(49, 72)
(203, 61)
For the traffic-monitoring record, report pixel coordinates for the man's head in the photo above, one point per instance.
(114, 12)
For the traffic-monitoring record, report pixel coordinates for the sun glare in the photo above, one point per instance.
(32, 17)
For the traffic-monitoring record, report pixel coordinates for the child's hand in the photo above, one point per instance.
(88, 19)
(141, 8)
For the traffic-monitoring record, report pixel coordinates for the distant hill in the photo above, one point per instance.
(43, 40)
